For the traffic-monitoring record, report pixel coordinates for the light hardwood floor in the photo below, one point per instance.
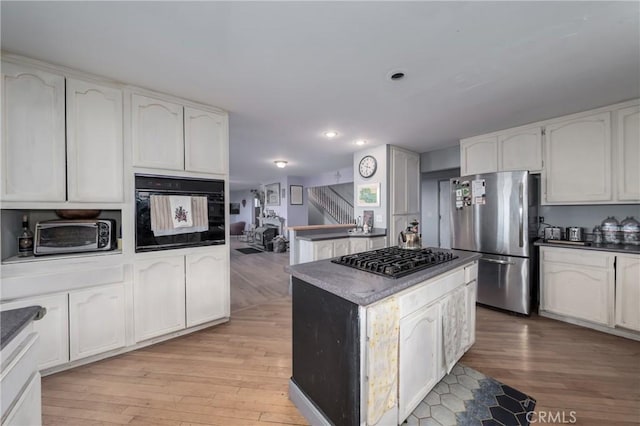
(237, 373)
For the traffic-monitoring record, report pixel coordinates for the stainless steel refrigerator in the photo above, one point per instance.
(495, 214)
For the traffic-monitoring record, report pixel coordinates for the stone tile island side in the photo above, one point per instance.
(367, 348)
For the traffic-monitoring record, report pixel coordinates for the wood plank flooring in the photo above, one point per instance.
(237, 373)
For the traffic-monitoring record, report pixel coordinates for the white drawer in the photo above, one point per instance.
(17, 369)
(591, 258)
(430, 291)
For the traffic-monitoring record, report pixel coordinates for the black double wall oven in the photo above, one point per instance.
(149, 185)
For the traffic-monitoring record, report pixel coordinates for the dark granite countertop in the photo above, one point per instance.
(365, 288)
(12, 322)
(341, 234)
(616, 248)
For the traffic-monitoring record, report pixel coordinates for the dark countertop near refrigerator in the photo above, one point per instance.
(342, 234)
(616, 248)
(12, 322)
(365, 288)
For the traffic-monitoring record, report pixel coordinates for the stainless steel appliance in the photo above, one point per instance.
(395, 262)
(552, 233)
(148, 185)
(495, 215)
(74, 236)
(574, 233)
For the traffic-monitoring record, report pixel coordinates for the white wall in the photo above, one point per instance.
(430, 221)
(245, 212)
(440, 159)
(587, 216)
(296, 215)
(381, 155)
(330, 178)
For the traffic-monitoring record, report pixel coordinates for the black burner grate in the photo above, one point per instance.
(395, 262)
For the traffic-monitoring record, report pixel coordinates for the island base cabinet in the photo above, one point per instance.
(207, 291)
(628, 292)
(53, 328)
(158, 297)
(96, 320)
(420, 364)
(28, 409)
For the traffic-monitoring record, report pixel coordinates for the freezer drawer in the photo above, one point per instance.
(504, 282)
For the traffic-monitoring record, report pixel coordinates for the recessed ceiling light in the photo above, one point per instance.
(281, 163)
(331, 134)
(396, 75)
(361, 142)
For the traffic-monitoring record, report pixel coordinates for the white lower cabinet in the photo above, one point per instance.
(311, 251)
(628, 292)
(207, 289)
(420, 366)
(356, 245)
(96, 320)
(376, 243)
(341, 247)
(28, 408)
(322, 250)
(53, 328)
(158, 296)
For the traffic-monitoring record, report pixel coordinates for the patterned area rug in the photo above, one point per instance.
(467, 397)
(248, 250)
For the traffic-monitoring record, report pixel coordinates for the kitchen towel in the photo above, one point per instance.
(190, 214)
(455, 330)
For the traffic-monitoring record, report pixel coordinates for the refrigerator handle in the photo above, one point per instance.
(501, 262)
(521, 215)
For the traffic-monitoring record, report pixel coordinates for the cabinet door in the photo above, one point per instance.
(207, 281)
(33, 145)
(94, 142)
(578, 284)
(471, 297)
(520, 150)
(53, 328)
(413, 183)
(341, 247)
(28, 408)
(158, 297)
(377, 243)
(398, 182)
(628, 292)
(323, 250)
(578, 160)
(398, 223)
(420, 364)
(96, 320)
(479, 155)
(357, 245)
(628, 149)
(205, 141)
(158, 140)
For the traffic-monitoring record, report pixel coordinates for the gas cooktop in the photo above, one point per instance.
(395, 262)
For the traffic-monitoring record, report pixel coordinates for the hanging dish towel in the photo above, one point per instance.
(163, 214)
(181, 211)
(454, 327)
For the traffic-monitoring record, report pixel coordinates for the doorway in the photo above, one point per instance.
(444, 207)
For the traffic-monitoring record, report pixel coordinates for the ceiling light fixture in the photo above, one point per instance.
(281, 163)
(396, 75)
(331, 134)
(361, 142)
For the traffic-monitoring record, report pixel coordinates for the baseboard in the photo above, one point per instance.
(615, 331)
(306, 407)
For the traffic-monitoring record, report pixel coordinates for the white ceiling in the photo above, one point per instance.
(287, 72)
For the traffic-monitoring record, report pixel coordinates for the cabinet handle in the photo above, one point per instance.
(501, 262)
(521, 215)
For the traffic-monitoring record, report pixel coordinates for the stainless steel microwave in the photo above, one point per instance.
(74, 236)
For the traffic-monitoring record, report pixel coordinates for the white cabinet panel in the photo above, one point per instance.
(398, 182)
(33, 139)
(413, 184)
(377, 243)
(96, 320)
(53, 328)
(628, 292)
(420, 365)
(158, 296)
(158, 133)
(628, 150)
(398, 223)
(207, 286)
(323, 250)
(94, 142)
(578, 284)
(520, 150)
(205, 141)
(478, 155)
(357, 245)
(578, 160)
(341, 247)
(28, 408)
(471, 297)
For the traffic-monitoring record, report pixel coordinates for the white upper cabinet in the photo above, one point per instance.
(627, 144)
(94, 142)
(578, 160)
(157, 128)
(479, 155)
(207, 291)
(33, 135)
(520, 150)
(205, 141)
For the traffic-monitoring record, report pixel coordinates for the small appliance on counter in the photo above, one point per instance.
(552, 233)
(74, 236)
(630, 231)
(610, 230)
(574, 233)
(410, 239)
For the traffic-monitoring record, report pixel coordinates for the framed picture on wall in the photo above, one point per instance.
(368, 195)
(295, 195)
(272, 194)
(234, 208)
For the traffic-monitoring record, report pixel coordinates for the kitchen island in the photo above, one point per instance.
(368, 348)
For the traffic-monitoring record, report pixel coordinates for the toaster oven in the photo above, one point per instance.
(74, 236)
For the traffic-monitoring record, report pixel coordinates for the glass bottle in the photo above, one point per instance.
(25, 239)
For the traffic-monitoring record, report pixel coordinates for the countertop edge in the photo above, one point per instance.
(13, 321)
(337, 236)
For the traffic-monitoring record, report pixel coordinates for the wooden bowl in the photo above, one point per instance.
(78, 214)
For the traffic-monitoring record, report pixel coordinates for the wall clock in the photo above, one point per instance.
(367, 166)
